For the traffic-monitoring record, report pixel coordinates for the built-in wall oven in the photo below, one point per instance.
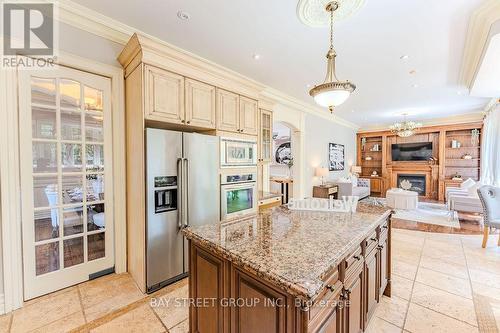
(236, 152)
(238, 194)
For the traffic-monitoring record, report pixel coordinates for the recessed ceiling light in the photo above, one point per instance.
(308, 85)
(415, 85)
(256, 56)
(352, 111)
(183, 15)
(404, 57)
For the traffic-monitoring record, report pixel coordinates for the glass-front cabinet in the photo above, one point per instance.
(265, 135)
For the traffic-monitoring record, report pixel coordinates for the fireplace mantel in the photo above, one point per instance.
(430, 171)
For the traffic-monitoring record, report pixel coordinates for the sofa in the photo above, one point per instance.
(353, 187)
(465, 198)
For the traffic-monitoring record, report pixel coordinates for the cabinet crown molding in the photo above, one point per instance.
(141, 48)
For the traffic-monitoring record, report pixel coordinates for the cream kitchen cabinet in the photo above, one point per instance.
(200, 104)
(236, 113)
(248, 116)
(265, 135)
(228, 115)
(164, 96)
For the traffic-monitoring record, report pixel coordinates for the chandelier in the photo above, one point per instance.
(332, 92)
(406, 128)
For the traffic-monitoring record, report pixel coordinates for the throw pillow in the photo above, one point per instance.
(473, 190)
(467, 184)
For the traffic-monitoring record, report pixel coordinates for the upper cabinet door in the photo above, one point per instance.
(265, 135)
(248, 116)
(228, 117)
(200, 104)
(164, 96)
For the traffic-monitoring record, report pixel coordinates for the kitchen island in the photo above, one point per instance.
(290, 271)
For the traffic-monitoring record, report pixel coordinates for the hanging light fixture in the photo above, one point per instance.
(332, 92)
(406, 128)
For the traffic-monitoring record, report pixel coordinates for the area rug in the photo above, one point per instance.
(430, 213)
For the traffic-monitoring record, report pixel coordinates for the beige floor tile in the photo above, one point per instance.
(408, 257)
(5, 322)
(451, 284)
(456, 257)
(445, 303)
(439, 239)
(46, 311)
(484, 290)
(392, 309)
(442, 266)
(180, 328)
(401, 287)
(404, 269)
(141, 319)
(483, 263)
(173, 308)
(378, 325)
(486, 278)
(63, 325)
(106, 294)
(422, 320)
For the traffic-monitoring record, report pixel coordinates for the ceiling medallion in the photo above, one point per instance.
(406, 128)
(312, 12)
(332, 92)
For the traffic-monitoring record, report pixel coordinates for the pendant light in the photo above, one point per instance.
(332, 92)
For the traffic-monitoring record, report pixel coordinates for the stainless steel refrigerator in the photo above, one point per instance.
(182, 190)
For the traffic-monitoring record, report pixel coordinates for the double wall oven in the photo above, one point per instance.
(238, 181)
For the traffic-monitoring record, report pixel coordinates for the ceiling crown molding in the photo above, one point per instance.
(100, 25)
(478, 32)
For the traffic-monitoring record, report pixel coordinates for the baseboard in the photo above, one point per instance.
(2, 303)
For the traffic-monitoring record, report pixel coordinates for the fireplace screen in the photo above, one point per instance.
(415, 183)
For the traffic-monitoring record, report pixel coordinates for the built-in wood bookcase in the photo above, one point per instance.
(464, 160)
(454, 153)
(371, 155)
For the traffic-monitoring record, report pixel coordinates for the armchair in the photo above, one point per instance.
(359, 187)
(490, 199)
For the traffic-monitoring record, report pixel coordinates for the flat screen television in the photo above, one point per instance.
(418, 151)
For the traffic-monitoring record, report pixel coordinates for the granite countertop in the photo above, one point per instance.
(268, 195)
(291, 249)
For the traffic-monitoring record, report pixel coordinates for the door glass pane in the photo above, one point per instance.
(95, 187)
(95, 217)
(70, 93)
(71, 157)
(239, 200)
(45, 192)
(95, 158)
(46, 224)
(43, 91)
(71, 125)
(44, 157)
(93, 128)
(72, 189)
(93, 99)
(73, 220)
(96, 246)
(47, 258)
(73, 251)
(43, 123)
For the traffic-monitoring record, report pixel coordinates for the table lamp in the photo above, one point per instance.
(321, 172)
(356, 170)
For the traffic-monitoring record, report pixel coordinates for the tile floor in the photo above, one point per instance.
(441, 283)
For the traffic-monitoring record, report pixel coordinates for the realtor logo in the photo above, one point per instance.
(28, 29)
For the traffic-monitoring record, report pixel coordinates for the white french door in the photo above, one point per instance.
(66, 177)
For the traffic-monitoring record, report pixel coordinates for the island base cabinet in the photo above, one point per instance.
(227, 298)
(372, 284)
(353, 301)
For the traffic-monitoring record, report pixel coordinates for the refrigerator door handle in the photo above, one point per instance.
(180, 191)
(186, 193)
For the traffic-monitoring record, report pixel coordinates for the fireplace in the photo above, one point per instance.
(417, 183)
